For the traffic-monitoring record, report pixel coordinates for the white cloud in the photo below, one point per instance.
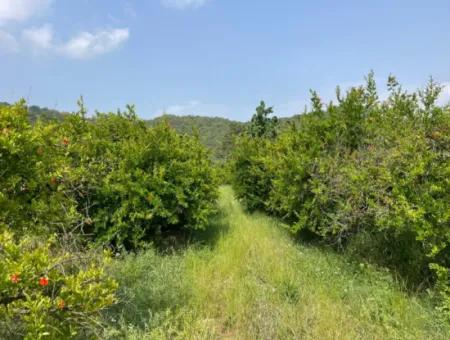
(21, 10)
(183, 4)
(87, 45)
(83, 46)
(8, 44)
(39, 38)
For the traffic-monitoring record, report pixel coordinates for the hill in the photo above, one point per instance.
(36, 112)
(215, 133)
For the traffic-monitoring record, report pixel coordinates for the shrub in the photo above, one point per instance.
(49, 292)
(163, 183)
(109, 177)
(32, 199)
(363, 171)
(251, 177)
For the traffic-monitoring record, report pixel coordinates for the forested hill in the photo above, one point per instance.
(215, 133)
(35, 112)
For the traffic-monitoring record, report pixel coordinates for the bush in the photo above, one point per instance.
(23, 159)
(109, 177)
(48, 292)
(251, 178)
(371, 173)
(161, 183)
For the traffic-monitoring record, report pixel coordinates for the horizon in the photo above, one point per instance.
(214, 58)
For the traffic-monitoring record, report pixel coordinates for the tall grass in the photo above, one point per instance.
(255, 282)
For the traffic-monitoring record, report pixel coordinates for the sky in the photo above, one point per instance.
(215, 57)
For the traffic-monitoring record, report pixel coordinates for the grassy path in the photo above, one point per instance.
(256, 283)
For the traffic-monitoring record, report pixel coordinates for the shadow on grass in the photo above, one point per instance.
(152, 282)
(399, 253)
(217, 227)
(174, 242)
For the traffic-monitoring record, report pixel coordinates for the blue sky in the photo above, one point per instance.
(214, 57)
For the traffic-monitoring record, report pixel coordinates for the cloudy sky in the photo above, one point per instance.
(214, 57)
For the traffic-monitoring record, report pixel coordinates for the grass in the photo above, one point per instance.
(253, 282)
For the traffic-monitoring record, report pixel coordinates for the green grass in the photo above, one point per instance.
(255, 282)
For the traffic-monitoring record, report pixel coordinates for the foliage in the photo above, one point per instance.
(27, 194)
(251, 176)
(37, 113)
(362, 166)
(215, 133)
(46, 292)
(110, 177)
(261, 125)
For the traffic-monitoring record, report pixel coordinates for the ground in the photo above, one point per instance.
(253, 281)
